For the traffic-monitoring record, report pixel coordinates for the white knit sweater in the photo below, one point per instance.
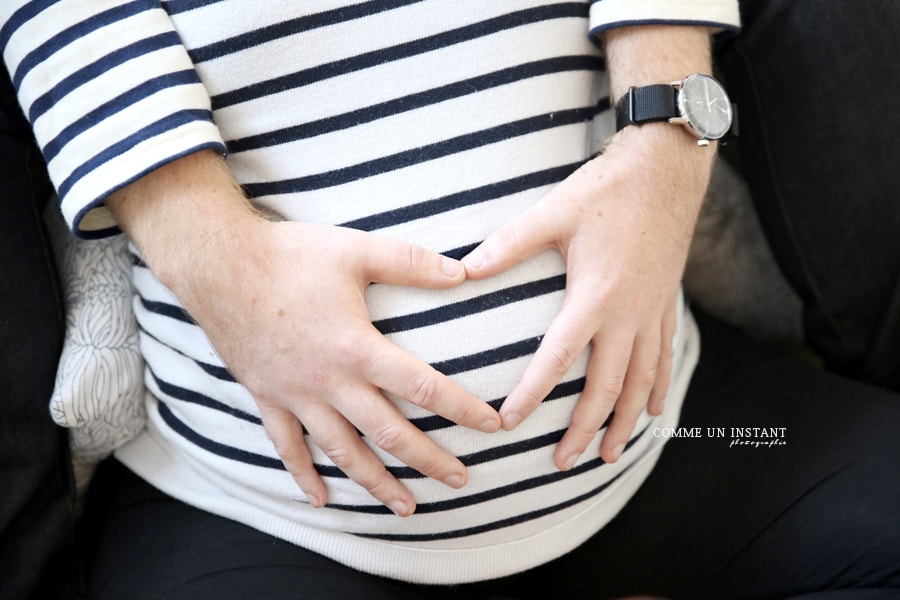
(434, 123)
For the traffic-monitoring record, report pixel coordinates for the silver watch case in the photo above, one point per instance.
(704, 108)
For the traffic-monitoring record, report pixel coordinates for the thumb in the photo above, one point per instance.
(394, 262)
(527, 235)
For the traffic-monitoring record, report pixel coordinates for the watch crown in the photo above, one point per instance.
(703, 142)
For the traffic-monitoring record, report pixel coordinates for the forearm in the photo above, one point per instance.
(649, 54)
(652, 54)
(185, 216)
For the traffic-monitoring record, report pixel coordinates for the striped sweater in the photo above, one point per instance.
(427, 122)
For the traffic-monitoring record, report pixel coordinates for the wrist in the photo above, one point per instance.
(664, 147)
(667, 158)
(182, 215)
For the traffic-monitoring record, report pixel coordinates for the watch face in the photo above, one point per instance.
(705, 106)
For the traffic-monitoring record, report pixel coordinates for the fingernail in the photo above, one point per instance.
(570, 462)
(400, 508)
(455, 480)
(475, 260)
(451, 268)
(617, 452)
(511, 421)
(490, 425)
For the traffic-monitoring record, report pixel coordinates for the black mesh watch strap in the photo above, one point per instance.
(648, 103)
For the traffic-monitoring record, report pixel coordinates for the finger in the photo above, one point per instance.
(286, 433)
(604, 383)
(396, 371)
(565, 340)
(390, 261)
(386, 427)
(526, 236)
(341, 443)
(666, 357)
(639, 381)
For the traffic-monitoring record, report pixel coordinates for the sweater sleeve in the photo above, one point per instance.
(722, 15)
(110, 92)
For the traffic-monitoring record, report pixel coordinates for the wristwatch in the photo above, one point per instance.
(698, 102)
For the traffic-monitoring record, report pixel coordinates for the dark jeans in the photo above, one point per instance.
(817, 85)
(36, 487)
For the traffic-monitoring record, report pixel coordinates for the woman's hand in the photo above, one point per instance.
(623, 223)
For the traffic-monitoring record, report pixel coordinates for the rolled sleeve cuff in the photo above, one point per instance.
(111, 94)
(723, 16)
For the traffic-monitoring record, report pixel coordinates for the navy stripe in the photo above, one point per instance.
(423, 319)
(400, 472)
(475, 305)
(23, 14)
(97, 68)
(167, 310)
(216, 371)
(159, 127)
(108, 109)
(400, 51)
(493, 494)
(287, 28)
(511, 521)
(426, 153)
(560, 390)
(470, 197)
(192, 397)
(459, 253)
(250, 458)
(486, 358)
(404, 472)
(414, 101)
(137, 261)
(80, 29)
(470, 460)
(174, 7)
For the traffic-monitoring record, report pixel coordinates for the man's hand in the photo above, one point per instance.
(623, 223)
(283, 305)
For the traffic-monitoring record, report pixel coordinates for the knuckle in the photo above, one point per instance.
(531, 398)
(380, 486)
(666, 352)
(647, 377)
(340, 456)
(431, 467)
(425, 391)
(350, 347)
(389, 437)
(612, 385)
(464, 414)
(657, 401)
(290, 455)
(625, 421)
(509, 237)
(344, 345)
(560, 359)
(583, 430)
